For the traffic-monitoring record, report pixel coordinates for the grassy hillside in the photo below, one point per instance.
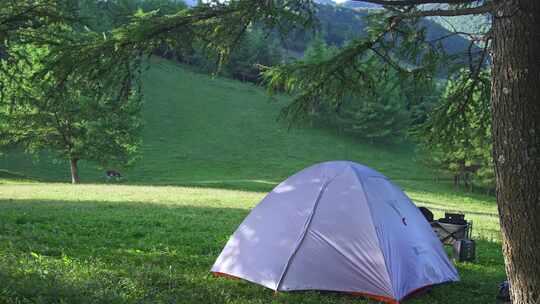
(215, 132)
(200, 128)
(218, 132)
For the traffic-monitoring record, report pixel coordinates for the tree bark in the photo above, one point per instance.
(516, 141)
(74, 171)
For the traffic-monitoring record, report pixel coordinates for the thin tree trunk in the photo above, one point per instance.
(516, 142)
(74, 171)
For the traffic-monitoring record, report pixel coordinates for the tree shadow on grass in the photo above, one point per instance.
(128, 252)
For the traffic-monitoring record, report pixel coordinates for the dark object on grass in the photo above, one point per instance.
(464, 250)
(449, 233)
(113, 174)
(453, 218)
(427, 213)
(504, 292)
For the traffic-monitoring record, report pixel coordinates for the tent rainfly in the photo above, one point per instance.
(337, 226)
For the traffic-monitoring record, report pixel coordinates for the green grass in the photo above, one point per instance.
(211, 149)
(208, 130)
(127, 244)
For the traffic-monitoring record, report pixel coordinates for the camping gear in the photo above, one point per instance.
(454, 230)
(337, 226)
(464, 250)
(427, 213)
(113, 175)
(453, 218)
(504, 292)
(452, 227)
(449, 233)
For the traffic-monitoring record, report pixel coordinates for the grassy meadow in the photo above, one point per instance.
(211, 149)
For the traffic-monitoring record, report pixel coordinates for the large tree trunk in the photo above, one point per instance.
(516, 142)
(74, 171)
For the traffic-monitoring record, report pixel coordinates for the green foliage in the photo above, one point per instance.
(381, 116)
(103, 16)
(377, 115)
(28, 21)
(318, 50)
(457, 135)
(253, 49)
(338, 25)
(66, 121)
(111, 60)
(356, 69)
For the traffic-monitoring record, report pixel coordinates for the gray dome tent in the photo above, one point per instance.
(337, 226)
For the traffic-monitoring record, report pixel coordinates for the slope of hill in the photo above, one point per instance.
(199, 128)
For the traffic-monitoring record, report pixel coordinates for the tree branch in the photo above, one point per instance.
(478, 10)
(386, 58)
(415, 2)
(471, 36)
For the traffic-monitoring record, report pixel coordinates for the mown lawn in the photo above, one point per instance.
(155, 244)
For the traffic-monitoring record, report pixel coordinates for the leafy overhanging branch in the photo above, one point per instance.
(24, 22)
(395, 38)
(107, 62)
(416, 2)
(456, 136)
(457, 7)
(352, 71)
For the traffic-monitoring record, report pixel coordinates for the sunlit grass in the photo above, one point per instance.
(155, 244)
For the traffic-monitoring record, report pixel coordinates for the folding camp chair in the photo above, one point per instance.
(449, 233)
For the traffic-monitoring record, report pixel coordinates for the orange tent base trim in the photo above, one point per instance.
(359, 294)
(225, 275)
(374, 297)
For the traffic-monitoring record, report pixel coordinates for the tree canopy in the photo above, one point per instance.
(65, 121)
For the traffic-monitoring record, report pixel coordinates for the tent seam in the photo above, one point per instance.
(304, 232)
(386, 266)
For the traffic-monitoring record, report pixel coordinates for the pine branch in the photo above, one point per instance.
(477, 10)
(415, 2)
(386, 58)
(485, 8)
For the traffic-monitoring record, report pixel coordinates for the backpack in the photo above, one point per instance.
(504, 291)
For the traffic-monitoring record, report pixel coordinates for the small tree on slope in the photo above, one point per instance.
(66, 123)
